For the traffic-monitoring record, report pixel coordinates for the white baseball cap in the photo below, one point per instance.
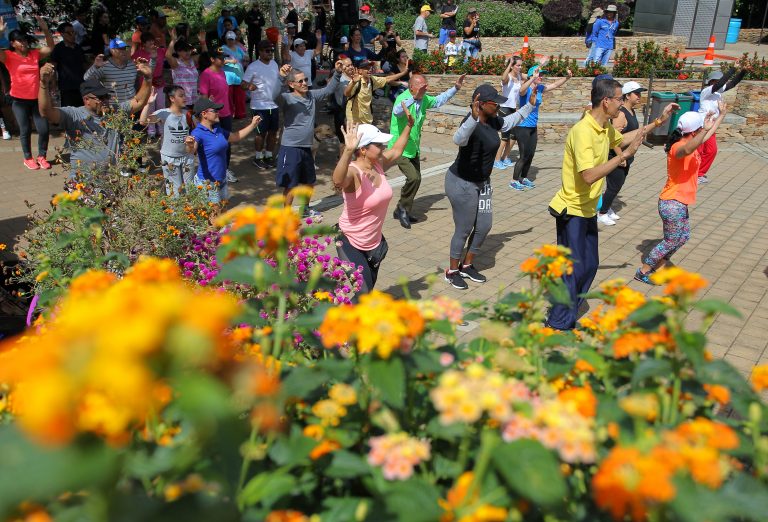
(632, 87)
(299, 41)
(690, 121)
(370, 134)
(344, 40)
(230, 35)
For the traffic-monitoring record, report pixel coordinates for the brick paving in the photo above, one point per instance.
(728, 245)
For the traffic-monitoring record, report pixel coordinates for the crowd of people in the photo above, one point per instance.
(188, 94)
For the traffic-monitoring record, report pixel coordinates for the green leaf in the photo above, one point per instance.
(721, 372)
(648, 368)
(444, 327)
(692, 345)
(741, 498)
(301, 381)
(346, 464)
(387, 377)
(342, 509)
(450, 433)
(714, 306)
(558, 292)
(413, 501)
(247, 270)
(531, 470)
(650, 311)
(445, 468)
(294, 450)
(514, 299)
(556, 364)
(427, 361)
(268, 486)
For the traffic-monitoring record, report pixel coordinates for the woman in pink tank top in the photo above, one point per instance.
(367, 194)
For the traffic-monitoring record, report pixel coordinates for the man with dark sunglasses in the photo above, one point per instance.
(94, 147)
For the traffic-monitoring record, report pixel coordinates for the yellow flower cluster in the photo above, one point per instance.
(90, 369)
(630, 482)
(274, 225)
(458, 497)
(441, 308)
(331, 410)
(550, 261)
(379, 323)
(759, 378)
(604, 319)
(679, 282)
(62, 197)
(465, 395)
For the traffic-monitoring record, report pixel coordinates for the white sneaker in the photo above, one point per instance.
(605, 220)
(613, 215)
(231, 177)
(6, 135)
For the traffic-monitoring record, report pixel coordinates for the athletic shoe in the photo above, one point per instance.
(31, 164)
(499, 165)
(259, 163)
(6, 135)
(43, 162)
(703, 179)
(471, 272)
(508, 162)
(516, 185)
(455, 280)
(603, 219)
(613, 215)
(311, 213)
(231, 177)
(644, 278)
(126, 173)
(269, 161)
(528, 183)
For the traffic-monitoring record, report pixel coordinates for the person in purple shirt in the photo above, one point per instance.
(210, 141)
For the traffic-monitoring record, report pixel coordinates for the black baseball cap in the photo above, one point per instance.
(488, 93)
(93, 87)
(265, 44)
(203, 104)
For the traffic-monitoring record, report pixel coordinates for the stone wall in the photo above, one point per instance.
(751, 35)
(572, 46)
(562, 108)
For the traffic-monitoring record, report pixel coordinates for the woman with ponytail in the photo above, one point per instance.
(683, 160)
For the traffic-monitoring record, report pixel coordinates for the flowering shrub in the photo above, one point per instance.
(757, 68)
(171, 398)
(650, 57)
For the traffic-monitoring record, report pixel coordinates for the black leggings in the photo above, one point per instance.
(370, 273)
(527, 138)
(23, 110)
(615, 180)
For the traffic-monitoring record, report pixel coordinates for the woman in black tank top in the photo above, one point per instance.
(625, 122)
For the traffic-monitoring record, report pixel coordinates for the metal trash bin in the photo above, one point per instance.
(685, 101)
(659, 101)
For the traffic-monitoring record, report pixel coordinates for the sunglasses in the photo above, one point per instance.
(215, 111)
(303, 80)
(103, 97)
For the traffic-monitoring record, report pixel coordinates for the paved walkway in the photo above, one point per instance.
(729, 245)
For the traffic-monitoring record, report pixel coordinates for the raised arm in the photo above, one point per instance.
(598, 172)
(514, 119)
(319, 47)
(730, 84)
(330, 88)
(172, 61)
(505, 75)
(445, 96)
(95, 70)
(471, 27)
(285, 51)
(46, 51)
(142, 95)
(395, 77)
(343, 176)
(391, 155)
(44, 100)
(144, 116)
(559, 82)
(243, 133)
(666, 113)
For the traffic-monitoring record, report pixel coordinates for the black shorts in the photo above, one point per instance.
(506, 111)
(295, 166)
(270, 120)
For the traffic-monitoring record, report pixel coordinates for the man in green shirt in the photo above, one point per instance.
(417, 102)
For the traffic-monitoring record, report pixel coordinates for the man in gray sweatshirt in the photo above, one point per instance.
(295, 165)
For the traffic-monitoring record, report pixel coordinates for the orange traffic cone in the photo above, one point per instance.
(525, 46)
(709, 58)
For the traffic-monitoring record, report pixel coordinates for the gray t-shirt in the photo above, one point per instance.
(93, 146)
(299, 114)
(175, 129)
(420, 42)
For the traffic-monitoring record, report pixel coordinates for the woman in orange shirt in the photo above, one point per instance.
(683, 161)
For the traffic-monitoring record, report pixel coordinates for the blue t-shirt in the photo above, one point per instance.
(211, 152)
(533, 118)
(358, 56)
(369, 33)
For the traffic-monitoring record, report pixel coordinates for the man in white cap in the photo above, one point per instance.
(299, 57)
(717, 84)
(603, 37)
(421, 34)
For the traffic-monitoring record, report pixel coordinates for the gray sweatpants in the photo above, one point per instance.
(472, 213)
(178, 171)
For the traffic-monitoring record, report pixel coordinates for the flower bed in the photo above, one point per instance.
(147, 396)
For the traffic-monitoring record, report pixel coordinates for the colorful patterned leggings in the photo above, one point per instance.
(677, 231)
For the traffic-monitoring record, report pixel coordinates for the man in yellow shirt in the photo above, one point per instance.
(574, 206)
(359, 92)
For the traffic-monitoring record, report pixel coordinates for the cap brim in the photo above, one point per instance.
(98, 92)
(498, 99)
(382, 137)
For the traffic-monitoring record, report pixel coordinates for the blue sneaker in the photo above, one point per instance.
(644, 278)
(499, 165)
(528, 183)
(508, 162)
(516, 185)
